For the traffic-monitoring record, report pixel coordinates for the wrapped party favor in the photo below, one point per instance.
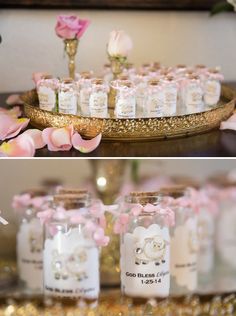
(30, 239)
(73, 236)
(144, 227)
(184, 240)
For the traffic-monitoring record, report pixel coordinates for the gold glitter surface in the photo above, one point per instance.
(112, 304)
(133, 129)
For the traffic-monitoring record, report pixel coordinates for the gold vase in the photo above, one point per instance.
(117, 66)
(71, 46)
(108, 176)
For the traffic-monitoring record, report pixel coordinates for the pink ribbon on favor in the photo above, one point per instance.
(45, 216)
(165, 211)
(21, 201)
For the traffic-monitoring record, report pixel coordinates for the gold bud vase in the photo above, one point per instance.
(71, 46)
(117, 66)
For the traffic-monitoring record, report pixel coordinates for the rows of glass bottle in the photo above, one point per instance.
(152, 91)
(167, 241)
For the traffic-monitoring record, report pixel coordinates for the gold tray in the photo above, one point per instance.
(133, 129)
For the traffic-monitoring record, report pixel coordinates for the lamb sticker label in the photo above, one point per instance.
(68, 259)
(29, 254)
(184, 248)
(145, 259)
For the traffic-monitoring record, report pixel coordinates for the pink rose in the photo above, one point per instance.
(70, 26)
(119, 45)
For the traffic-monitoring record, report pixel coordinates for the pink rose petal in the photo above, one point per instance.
(10, 126)
(14, 99)
(85, 146)
(230, 123)
(58, 139)
(36, 136)
(14, 112)
(18, 147)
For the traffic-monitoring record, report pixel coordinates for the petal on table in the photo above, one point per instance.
(36, 136)
(85, 146)
(58, 139)
(14, 99)
(19, 147)
(14, 112)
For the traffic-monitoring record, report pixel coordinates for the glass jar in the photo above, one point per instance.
(207, 214)
(193, 94)
(125, 104)
(212, 87)
(29, 240)
(155, 99)
(145, 247)
(47, 89)
(67, 97)
(224, 191)
(141, 83)
(170, 90)
(184, 241)
(71, 255)
(84, 90)
(98, 100)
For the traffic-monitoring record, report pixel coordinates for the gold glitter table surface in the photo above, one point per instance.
(133, 129)
(111, 304)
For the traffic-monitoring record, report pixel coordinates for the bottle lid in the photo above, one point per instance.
(153, 82)
(144, 198)
(186, 181)
(123, 77)
(174, 191)
(72, 191)
(98, 81)
(71, 201)
(67, 80)
(86, 75)
(181, 66)
(35, 192)
(221, 180)
(46, 77)
(200, 66)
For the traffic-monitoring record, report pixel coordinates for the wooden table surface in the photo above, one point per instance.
(215, 143)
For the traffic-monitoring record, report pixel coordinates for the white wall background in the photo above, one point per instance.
(17, 175)
(30, 44)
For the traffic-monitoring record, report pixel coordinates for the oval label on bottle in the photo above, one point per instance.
(145, 259)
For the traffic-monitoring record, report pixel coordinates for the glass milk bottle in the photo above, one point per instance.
(125, 104)
(207, 214)
(98, 100)
(170, 91)
(193, 94)
(145, 247)
(184, 241)
(84, 90)
(212, 87)
(225, 194)
(29, 240)
(155, 99)
(47, 93)
(71, 255)
(141, 80)
(67, 97)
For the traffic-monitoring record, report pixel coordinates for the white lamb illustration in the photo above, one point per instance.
(76, 264)
(151, 249)
(35, 240)
(59, 268)
(72, 265)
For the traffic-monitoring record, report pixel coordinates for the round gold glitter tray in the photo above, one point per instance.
(133, 129)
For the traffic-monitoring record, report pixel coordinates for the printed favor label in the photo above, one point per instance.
(184, 249)
(226, 234)
(71, 266)
(67, 102)
(193, 99)
(84, 101)
(170, 100)
(212, 92)
(155, 105)
(98, 104)
(125, 107)
(29, 254)
(206, 228)
(145, 259)
(47, 98)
